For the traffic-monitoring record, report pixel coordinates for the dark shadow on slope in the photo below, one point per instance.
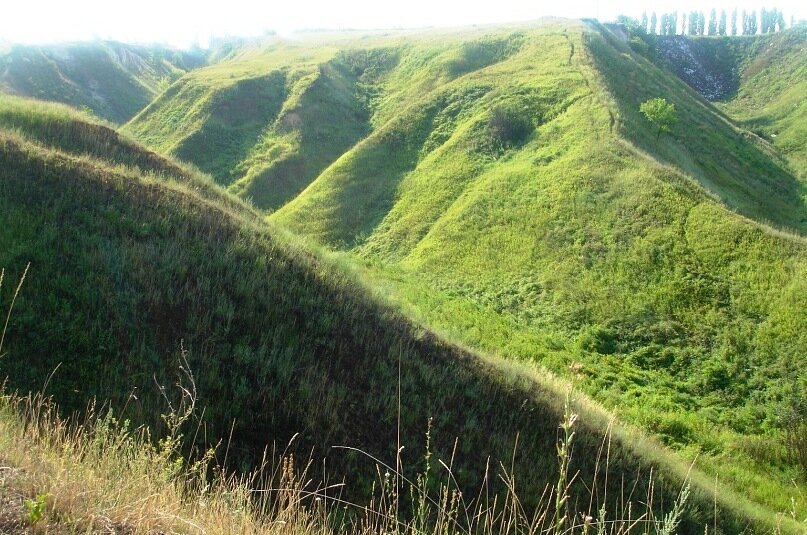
(480, 53)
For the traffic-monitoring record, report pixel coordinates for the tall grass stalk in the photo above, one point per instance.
(13, 300)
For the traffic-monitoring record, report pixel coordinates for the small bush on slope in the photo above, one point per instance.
(510, 125)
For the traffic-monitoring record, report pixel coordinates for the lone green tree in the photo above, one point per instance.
(660, 113)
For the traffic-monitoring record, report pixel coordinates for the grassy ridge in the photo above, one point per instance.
(64, 128)
(128, 270)
(266, 136)
(114, 80)
(508, 194)
(757, 80)
(587, 245)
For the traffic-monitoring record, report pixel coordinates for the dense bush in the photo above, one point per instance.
(510, 125)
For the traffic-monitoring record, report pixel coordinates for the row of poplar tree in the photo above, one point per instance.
(695, 23)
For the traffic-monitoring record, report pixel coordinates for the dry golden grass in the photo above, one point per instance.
(101, 477)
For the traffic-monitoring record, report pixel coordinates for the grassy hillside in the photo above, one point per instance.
(264, 135)
(758, 81)
(523, 205)
(114, 80)
(133, 273)
(770, 98)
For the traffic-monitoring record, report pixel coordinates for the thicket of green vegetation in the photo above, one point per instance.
(131, 274)
(114, 80)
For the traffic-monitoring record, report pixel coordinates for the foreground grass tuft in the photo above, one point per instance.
(100, 475)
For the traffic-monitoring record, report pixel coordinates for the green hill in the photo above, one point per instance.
(770, 99)
(114, 80)
(132, 270)
(757, 80)
(498, 186)
(525, 207)
(265, 122)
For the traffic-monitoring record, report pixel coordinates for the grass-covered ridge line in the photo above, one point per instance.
(320, 99)
(71, 131)
(265, 135)
(127, 270)
(114, 80)
(587, 245)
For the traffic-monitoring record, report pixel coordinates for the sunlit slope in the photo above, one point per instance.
(265, 122)
(432, 132)
(114, 80)
(586, 243)
(128, 271)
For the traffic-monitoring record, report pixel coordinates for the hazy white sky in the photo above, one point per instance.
(184, 22)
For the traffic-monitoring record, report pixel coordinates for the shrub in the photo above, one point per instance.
(599, 339)
(659, 112)
(510, 125)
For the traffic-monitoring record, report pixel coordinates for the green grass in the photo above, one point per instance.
(770, 101)
(265, 136)
(114, 80)
(623, 262)
(498, 186)
(323, 116)
(130, 271)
